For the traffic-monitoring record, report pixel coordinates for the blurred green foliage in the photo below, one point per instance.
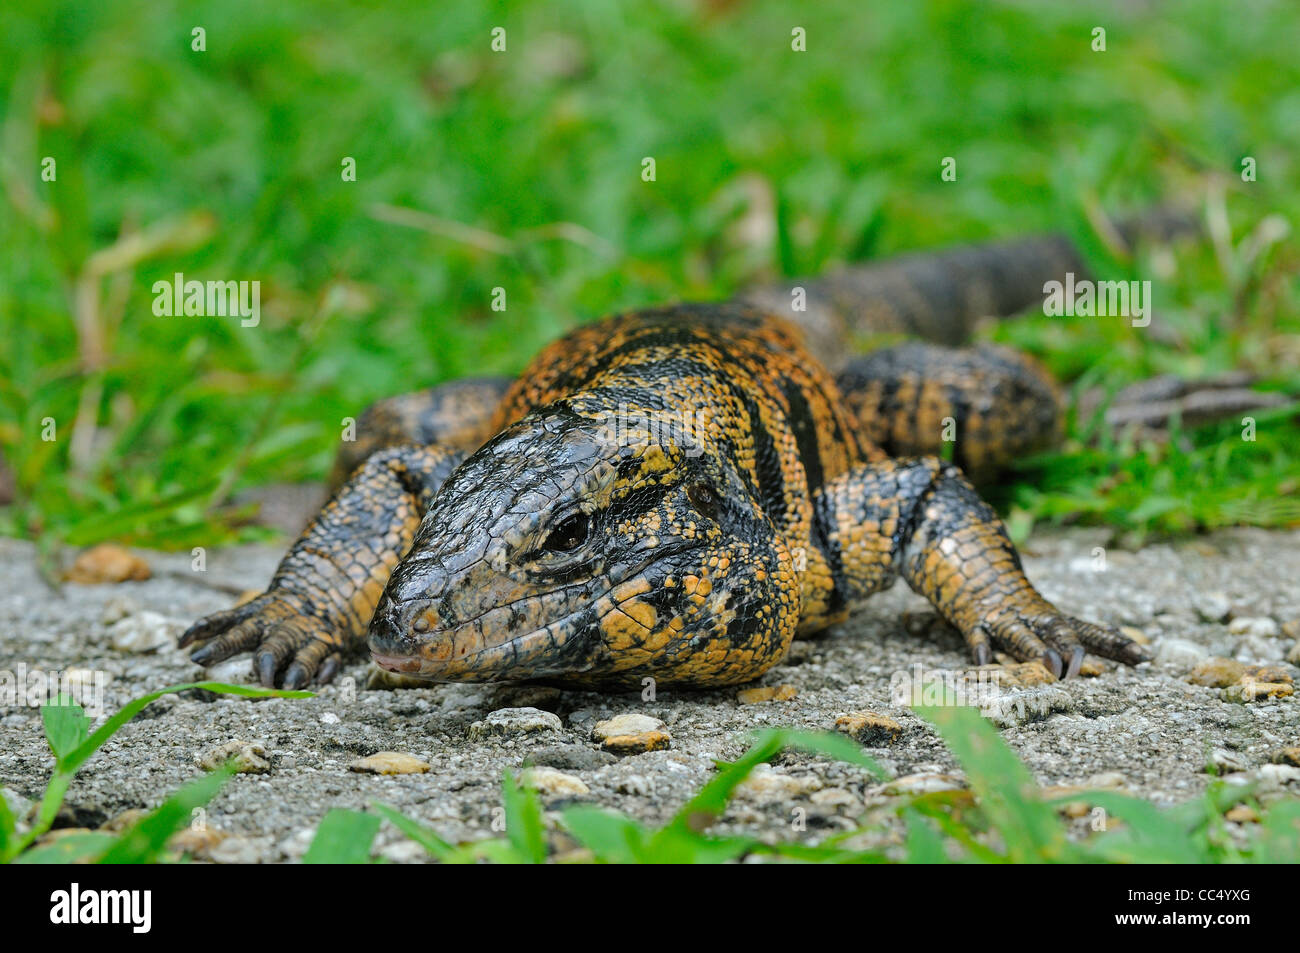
(225, 164)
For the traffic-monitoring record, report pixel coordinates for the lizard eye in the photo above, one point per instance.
(703, 498)
(569, 535)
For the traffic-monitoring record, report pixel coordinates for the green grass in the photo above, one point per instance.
(67, 732)
(1005, 818)
(226, 164)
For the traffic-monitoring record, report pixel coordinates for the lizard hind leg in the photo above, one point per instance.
(990, 405)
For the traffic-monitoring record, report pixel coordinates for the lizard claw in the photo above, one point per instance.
(289, 645)
(1041, 633)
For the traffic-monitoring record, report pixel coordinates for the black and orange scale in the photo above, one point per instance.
(676, 493)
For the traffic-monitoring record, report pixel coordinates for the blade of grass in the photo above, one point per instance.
(68, 763)
(69, 849)
(523, 820)
(1150, 835)
(924, 845)
(145, 841)
(343, 837)
(612, 838)
(76, 758)
(1006, 792)
(66, 726)
(422, 835)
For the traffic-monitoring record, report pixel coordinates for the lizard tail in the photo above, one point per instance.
(938, 296)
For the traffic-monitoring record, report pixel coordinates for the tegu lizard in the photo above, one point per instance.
(677, 493)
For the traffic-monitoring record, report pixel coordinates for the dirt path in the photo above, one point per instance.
(1235, 595)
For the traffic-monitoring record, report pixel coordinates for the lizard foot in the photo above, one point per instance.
(1041, 633)
(287, 641)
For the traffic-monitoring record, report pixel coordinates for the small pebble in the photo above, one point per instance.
(196, 842)
(107, 563)
(571, 757)
(1180, 652)
(128, 818)
(628, 723)
(389, 762)
(765, 783)
(143, 632)
(403, 852)
(766, 693)
(1217, 672)
(635, 784)
(1212, 606)
(1289, 756)
(1225, 762)
(1251, 691)
(638, 743)
(249, 758)
(1273, 777)
(236, 850)
(869, 727)
(928, 783)
(515, 721)
(1254, 648)
(1260, 626)
(116, 608)
(554, 783)
(836, 798)
(1111, 780)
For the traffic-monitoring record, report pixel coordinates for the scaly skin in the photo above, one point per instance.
(1000, 405)
(675, 494)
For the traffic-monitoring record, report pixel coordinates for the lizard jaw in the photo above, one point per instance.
(469, 652)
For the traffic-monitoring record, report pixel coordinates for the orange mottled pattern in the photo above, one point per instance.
(669, 497)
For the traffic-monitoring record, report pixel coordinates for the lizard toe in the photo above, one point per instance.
(1108, 642)
(215, 624)
(977, 640)
(329, 668)
(1017, 637)
(307, 663)
(241, 638)
(1064, 646)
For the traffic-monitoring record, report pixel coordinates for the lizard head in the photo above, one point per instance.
(579, 549)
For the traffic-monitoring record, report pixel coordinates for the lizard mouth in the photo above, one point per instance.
(472, 651)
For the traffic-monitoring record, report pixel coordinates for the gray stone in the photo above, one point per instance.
(1182, 653)
(1260, 626)
(515, 721)
(570, 757)
(144, 632)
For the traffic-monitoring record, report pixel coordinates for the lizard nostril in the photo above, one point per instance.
(385, 635)
(421, 624)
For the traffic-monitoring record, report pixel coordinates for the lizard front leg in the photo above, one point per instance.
(323, 594)
(922, 520)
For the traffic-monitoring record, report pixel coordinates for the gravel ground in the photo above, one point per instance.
(1233, 595)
